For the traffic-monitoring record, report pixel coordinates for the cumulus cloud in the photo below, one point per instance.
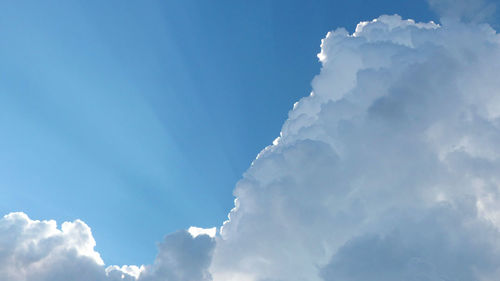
(40, 251)
(389, 170)
(182, 257)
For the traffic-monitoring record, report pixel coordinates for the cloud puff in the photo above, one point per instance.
(40, 251)
(182, 257)
(389, 170)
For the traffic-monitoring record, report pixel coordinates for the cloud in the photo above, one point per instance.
(40, 251)
(443, 244)
(196, 231)
(182, 257)
(389, 170)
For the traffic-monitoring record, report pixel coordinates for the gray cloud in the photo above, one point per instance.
(182, 258)
(446, 243)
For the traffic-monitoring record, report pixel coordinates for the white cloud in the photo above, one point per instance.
(197, 231)
(127, 272)
(40, 251)
(389, 170)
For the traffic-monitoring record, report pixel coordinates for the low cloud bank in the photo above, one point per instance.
(40, 251)
(389, 170)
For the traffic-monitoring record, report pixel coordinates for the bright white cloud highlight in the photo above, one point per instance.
(196, 231)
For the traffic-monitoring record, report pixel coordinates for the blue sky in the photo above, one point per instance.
(139, 117)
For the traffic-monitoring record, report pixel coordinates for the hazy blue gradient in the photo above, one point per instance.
(139, 116)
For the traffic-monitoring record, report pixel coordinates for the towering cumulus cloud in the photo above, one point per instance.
(388, 171)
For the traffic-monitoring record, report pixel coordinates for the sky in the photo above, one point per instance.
(150, 112)
(130, 130)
